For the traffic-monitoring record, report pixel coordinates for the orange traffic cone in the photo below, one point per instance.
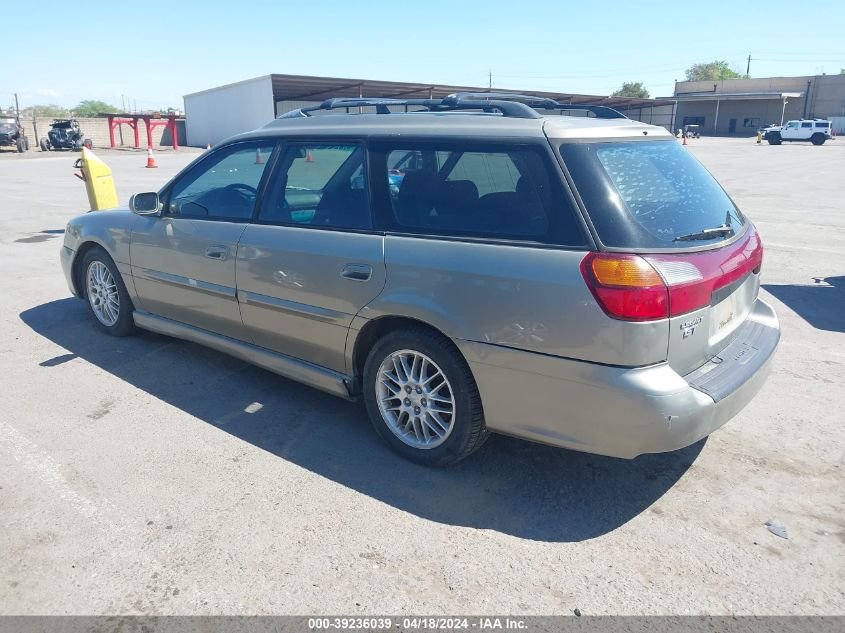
(259, 158)
(309, 158)
(151, 161)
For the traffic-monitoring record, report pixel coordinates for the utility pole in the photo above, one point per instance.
(490, 80)
(17, 110)
(748, 66)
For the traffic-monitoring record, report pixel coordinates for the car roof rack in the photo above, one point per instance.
(511, 105)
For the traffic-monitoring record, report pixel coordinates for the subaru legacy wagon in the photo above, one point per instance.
(463, 265)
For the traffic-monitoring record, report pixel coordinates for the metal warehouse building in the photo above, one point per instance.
(217, 113)
(740, 106)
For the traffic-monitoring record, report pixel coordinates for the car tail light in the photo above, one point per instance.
(626, 286)
(648, 287)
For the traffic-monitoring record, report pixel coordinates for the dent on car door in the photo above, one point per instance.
(183, 262)
(310, 262)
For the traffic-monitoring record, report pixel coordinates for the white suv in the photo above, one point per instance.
(816, 131)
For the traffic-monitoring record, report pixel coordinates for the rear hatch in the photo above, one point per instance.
(671, 240)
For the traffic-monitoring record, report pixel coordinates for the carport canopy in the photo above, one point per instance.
(735, 96)
(307, 88)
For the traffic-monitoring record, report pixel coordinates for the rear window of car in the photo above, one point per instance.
(807, 124)
(822, 123)
(649, 194)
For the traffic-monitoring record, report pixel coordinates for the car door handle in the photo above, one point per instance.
(357, 272)
(217, 252)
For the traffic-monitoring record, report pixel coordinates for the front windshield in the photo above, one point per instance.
(6, 126)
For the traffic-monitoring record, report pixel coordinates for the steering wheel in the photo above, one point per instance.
(245, 190)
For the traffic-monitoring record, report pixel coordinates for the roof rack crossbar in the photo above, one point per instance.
(509, 104)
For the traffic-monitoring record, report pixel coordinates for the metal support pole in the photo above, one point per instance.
(806, 100)
(716, 120)
(783, 110)
(149, 132)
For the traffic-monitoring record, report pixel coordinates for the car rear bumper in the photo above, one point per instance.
(621, 412)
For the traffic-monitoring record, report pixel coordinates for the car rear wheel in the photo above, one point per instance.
(818, 139)
(44, 145)
(108, 301)
(422, 399)
(20, 146)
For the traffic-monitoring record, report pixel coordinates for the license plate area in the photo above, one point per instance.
(730, 307)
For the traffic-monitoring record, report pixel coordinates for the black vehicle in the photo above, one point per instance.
(692, 131)
(12, 135)
(64, 134)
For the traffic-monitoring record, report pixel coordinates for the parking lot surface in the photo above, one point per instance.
(151, 476)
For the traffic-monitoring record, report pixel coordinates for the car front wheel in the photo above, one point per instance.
(108, 301)
(422, 398)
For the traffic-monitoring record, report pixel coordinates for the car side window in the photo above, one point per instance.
(222, 187)
(319, 185)
(502, 192)
(807, 124)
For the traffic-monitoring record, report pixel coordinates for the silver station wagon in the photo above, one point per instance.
(465, 266)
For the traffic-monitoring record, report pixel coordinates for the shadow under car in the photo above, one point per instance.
(511, 486)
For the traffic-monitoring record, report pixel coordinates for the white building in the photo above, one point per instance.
(218, 113)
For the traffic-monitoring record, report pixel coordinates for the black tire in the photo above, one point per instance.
(44, 144)
(774, 138)
(817, 139)
(19, 145)
(125, 324)
(468, 431)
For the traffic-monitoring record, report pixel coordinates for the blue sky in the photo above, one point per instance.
(584, 47)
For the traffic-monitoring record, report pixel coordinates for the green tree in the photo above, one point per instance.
(634, 89)
(712, 71)
(92, 107)
(842, 71)
(47, 110)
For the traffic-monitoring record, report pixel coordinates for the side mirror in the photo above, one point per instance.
(145, 203)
